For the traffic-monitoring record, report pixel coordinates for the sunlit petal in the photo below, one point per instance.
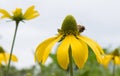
(4, 57)
(30, 13)
(35, 14)
(5, 14)
(1, 57)
(49, 48)
(44, 48)
(107, 59)
(41, 47)
(94, 46)
(29, 10)
(13, 58)
(79, 51)
(62, 53)
(117, 59)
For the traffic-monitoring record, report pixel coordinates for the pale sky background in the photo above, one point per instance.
(100, 17)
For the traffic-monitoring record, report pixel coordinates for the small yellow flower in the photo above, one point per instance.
(68, 36)
(18, 15)
(4, 57)
(114, 56)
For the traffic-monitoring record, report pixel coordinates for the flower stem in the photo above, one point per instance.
(70, 59)
(8, 67)
(113, 69)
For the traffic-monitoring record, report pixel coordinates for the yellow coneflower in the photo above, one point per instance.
(18, 15)
(69, 37)
(4, 56)
(114, 56)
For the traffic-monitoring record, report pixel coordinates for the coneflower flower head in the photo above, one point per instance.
(69, 36)
(17, 14)
(69, 26)
(113, 56)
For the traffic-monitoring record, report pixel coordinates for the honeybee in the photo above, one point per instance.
(80, 28)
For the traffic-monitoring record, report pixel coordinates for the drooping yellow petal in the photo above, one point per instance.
(30, 13)
(94, 46)
(44, 48)
(1, 58)
(107, 59)
(117, 59)
(5, 14)
(13, 58)
(79, 51)
(49, 48)
(4, 57)
(41, 48)
(62, 53)
(7, 56)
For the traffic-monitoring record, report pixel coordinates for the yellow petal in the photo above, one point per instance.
(44, 49)
(62, 53)
(117, 59)
(30, 13)
(1, 57)
(14, 58)
(35, 14)
(79, 51)
(5, 14)
(107, 59)
(5, 58)
(94, 46)
(41, 48)
(29, 10)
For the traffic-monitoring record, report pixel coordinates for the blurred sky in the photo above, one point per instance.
(100, 17)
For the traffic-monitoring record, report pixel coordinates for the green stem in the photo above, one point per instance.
(70, 59)
(113, 69)
(17, 22)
